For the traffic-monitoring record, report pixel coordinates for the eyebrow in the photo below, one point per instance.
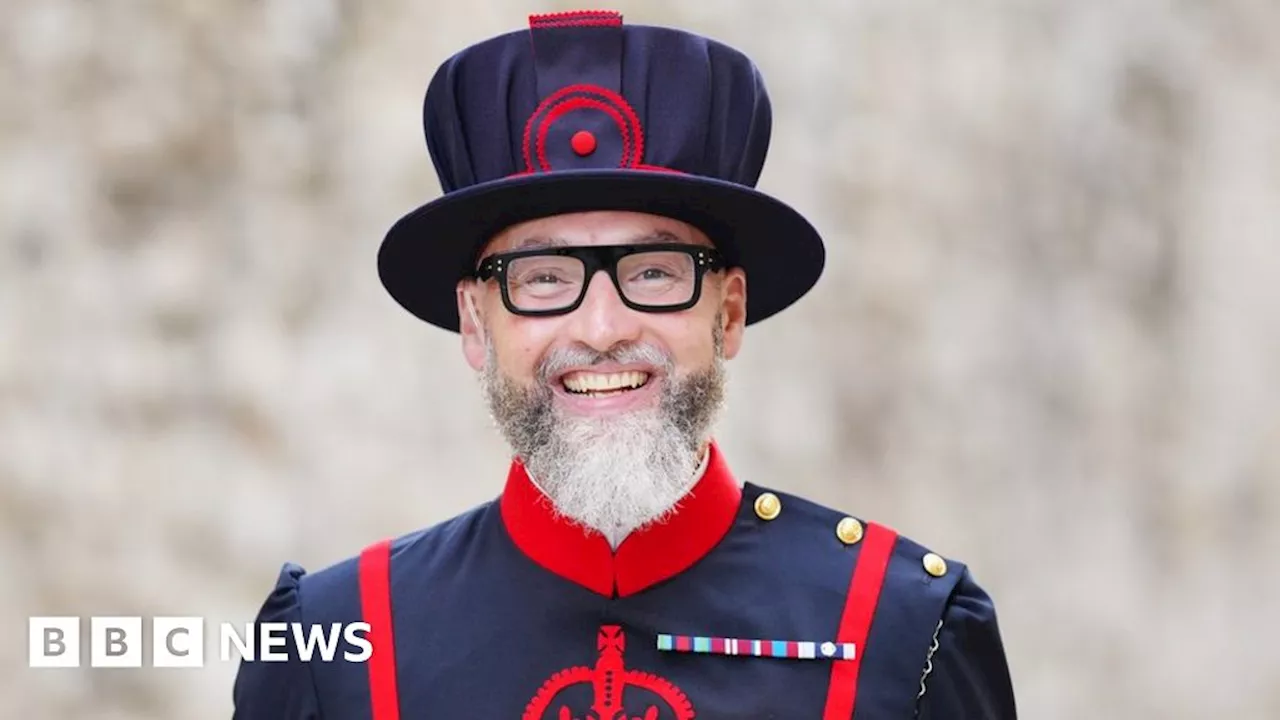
(541, 241)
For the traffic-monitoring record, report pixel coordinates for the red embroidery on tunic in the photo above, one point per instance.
(609, 680)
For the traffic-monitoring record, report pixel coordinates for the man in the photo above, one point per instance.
(600, 249)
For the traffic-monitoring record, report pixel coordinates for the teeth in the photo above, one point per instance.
(585, 382)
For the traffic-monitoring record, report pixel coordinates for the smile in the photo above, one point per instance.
(604, 384)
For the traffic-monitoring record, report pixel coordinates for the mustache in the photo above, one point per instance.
(559, 360)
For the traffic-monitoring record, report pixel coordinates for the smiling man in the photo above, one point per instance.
(605, 383)
(600, 249)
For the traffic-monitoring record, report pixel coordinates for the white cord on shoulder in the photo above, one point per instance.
(928, 665)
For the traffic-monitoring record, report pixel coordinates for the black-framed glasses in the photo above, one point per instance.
(650, 277)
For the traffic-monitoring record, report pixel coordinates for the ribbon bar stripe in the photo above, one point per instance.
(792, 649)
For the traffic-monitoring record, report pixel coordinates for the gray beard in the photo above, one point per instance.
(614, 474)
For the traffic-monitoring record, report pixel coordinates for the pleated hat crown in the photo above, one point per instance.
(582, 91)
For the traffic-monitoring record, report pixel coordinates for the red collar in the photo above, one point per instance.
(645, 558)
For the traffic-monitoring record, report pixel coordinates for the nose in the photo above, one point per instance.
(603, 320)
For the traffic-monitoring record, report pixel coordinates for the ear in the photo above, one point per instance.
(733, 310)
(470, 326)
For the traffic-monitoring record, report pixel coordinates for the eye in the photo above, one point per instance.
(541, 276)
(545, 278)
(654, 273)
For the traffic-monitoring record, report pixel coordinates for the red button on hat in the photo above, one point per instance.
(583, 142)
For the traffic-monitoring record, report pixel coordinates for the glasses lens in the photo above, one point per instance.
(544, 282)
(658, 278)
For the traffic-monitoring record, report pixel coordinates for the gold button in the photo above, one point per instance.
(935, 565)
(849, 531)
(768, 506)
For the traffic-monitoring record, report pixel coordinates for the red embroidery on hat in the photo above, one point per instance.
(583, 142)
(577, 18)
(642, 168)
(578, 103)
(659, 168)
(609, 680)
(581, 96)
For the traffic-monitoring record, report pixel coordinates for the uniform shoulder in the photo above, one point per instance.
(274, 690)
(827, 536)
(933, 626)
(332, 591)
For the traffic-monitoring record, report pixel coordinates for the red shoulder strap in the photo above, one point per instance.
(855, 622)
(375, 606)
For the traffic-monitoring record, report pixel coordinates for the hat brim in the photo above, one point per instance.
(428, 251)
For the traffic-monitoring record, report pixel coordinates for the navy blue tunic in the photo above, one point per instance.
(507, 612)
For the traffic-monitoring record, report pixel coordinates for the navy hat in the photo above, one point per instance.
(583, 113)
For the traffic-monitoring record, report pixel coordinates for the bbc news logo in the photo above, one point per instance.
(179, 642)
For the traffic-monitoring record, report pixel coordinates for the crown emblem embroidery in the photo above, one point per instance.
(609, 682)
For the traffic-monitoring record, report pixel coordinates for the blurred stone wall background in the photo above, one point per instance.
(1047, 342)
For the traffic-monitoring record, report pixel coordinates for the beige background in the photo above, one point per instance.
(1047, 341)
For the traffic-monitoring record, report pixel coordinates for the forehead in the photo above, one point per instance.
(595, 228)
